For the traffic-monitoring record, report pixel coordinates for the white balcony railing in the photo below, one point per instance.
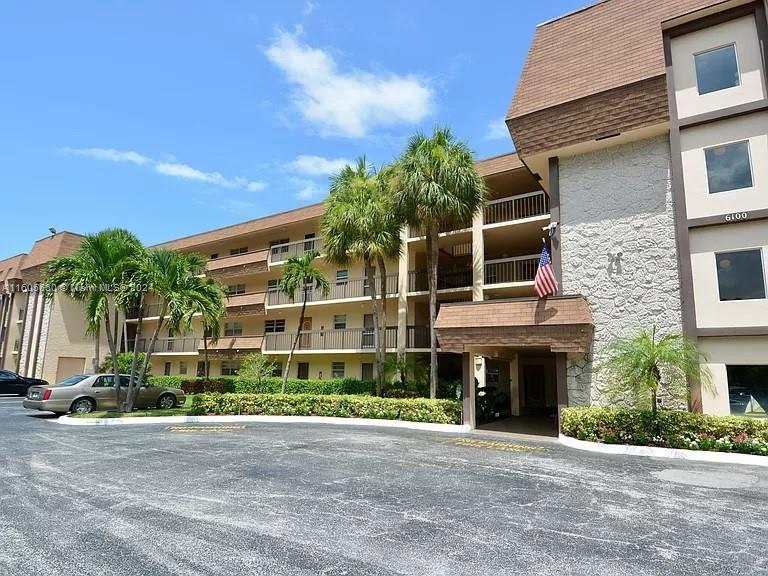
(511, 270)
(281, 252)
(516, 208)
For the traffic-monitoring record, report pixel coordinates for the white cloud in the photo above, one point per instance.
(497, 130)
(309, 7)
(107, 154)
(347, 103)
(307, 189)
(317, 165)
(168, 168)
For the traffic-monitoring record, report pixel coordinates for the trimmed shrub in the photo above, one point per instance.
(350, 406)
(272, 385)
(668, 430)
(169, 381)
(201, 385)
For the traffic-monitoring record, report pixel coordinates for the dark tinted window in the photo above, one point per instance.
(728, 167)
(716, 69)
(72, 380)
(740, 275)
(748, 390)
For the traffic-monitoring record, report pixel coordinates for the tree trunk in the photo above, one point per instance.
(96, 352)
(296, 339)
(131, 397)
(432, 257)
(383, 301)
(113, 353)
(370, 274)
(137, 337)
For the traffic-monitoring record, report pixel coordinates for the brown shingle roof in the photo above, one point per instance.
(604, 46)
(10, 269)
(499, 164)
(46, 249)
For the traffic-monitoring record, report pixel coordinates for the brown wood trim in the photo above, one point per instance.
(31, 330)
(712, 19)
(733, 331)
(468, 389)
(43, 304)
(687, 303)
(554, 216)
(726, 219)
(724, 113)
(561, 379)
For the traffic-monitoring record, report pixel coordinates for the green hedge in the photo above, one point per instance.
(271, 385)
(669, 429)
(351, 406)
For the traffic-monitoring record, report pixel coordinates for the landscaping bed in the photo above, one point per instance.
(683, 430)
(181, 411)
(350, 406)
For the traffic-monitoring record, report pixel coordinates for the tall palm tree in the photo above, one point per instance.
(94, 275)
(437, 186)
(211, 307)
(362, 224)
(176, 280)
(642, 365)
(300, 273)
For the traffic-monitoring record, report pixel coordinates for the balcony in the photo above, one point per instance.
(461, 278)
(516, 208)
(232, 346)
(239, 264)
(180, 345)
(246, 304)
(352, 288)
(280, 253)
(417, 337)
(511, 270)
(352, 339)
(419, 232)
(150, 311)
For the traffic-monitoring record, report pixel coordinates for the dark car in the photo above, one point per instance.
(12, 383)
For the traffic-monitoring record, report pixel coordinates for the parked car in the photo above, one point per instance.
(88, 392)
(12, 383)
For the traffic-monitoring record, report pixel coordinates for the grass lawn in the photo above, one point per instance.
(183, 411)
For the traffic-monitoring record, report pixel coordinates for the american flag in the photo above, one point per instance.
(545, 282)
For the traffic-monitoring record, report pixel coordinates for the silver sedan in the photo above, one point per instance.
(88, 392)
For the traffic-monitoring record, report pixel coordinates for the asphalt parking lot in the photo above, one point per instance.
(279, 499)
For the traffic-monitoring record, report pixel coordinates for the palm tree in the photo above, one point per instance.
(176, 280)
(437, 186)
(361, 223)
(300, 273)
(94, 275)
(643, 365)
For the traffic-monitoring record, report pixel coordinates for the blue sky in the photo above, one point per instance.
(171, 118)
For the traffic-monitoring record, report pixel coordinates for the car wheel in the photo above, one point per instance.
(166, 401)
(82, 406)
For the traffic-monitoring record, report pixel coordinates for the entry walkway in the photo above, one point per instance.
(534, 425)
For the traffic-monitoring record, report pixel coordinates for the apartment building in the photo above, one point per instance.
(641, 134)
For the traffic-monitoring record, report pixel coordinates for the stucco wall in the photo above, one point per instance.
(618, 249)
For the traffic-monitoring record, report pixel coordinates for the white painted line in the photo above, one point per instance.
(658, 452)
(369, 422)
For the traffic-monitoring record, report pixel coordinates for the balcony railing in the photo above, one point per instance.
(516, 208)
(352, 288)
(347, 339)
(417, 337)
(418, 231)
(418, 280)
(510, 270)
(281, 252)
(150, 311)
(167, 345)
(234, 343)
(239, 264)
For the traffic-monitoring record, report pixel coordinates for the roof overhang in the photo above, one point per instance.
(556, 324)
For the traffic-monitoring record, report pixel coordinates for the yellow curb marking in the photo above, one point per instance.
(493, 445)
(223, 428)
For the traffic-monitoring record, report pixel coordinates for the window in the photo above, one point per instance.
(339, 321)
(740, 275)
(214, 255)
(182, 367)
(274, 326)
(167, 369)
(234, 289)
(230, 367)
(21, 313)
(272, 285)
(303, 371)
(282, 242)
(16, 345)
(236, 251)
(277, 371)
(716, 69)
(341, 277)
(201, 368)
(728, 167)
(748, 390)
(233, 329)
(6, 376)
(309, 243)
(337, 370)
(366, 371)
(104, 382)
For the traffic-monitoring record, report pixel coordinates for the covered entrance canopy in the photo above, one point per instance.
(507, 329)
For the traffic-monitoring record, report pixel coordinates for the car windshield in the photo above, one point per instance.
(72, 380)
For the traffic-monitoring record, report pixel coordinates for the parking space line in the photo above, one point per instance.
(214, 428)
(491, 444)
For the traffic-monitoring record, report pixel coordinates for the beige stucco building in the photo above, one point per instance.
(641, 134)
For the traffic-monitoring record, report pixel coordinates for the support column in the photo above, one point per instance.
(478, 281)
(402, 294)
(468, 389)
(514, 386)
(561, 376)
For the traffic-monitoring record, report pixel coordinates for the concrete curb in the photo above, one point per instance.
(375, 423)
(657, 452)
